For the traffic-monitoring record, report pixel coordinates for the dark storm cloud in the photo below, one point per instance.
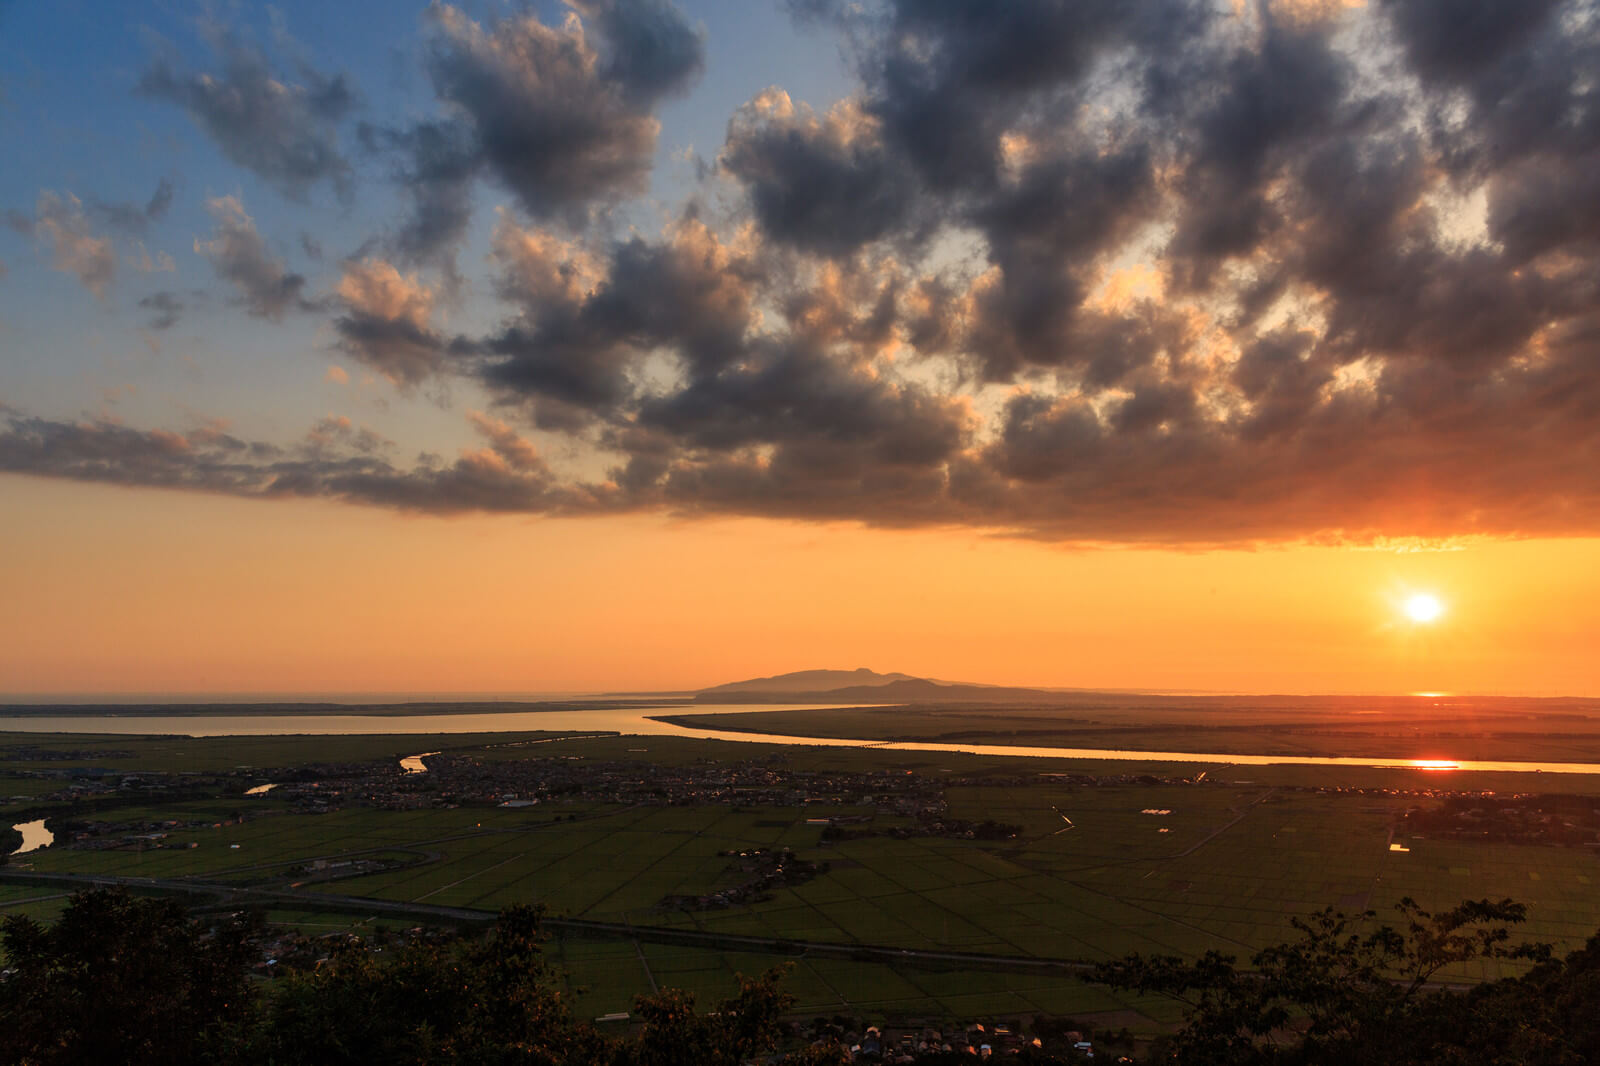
(1529, 76)
(1327, 347)
(1139, 270)
(561, 116)
(796, 410)
(1454, 40)
(797, 397)
(556, 121)
(824, 185)
(948, 78)
(1275, 102)
(585, 326)
(651, 51)
(1044, 232)
(285, 131)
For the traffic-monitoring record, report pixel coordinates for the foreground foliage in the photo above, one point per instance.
(1338, 995)
(120, 979)
(124, 980)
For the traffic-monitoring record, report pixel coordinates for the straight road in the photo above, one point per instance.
(302, 899)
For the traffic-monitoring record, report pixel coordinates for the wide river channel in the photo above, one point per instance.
(638, 721)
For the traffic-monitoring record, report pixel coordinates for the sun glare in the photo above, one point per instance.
(1423, 608)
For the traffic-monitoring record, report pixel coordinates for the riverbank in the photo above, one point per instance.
(729, 726)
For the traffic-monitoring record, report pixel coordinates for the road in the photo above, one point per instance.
(583, 928)
(302, 899)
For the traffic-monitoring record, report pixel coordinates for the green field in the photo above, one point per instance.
(1226, 864)
(604, 976)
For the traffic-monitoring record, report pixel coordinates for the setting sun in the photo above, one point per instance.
(1424, 608)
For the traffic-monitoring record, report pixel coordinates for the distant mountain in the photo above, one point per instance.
(810, 681)
(821, 686)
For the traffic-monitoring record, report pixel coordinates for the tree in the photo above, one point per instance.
(468, 1003)
(1335, 994)
(124, 979)
(1549, 1017)
(741, 1028)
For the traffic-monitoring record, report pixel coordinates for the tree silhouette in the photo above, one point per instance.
(1334, 995)
(127, 980)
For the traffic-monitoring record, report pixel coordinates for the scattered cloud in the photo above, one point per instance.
(825, 184)
(240, 256)
(386, 321)
(336, 432)
(1157, 271)
(336, 375)
(60, 222)
(513, 449)
(209, 459)
(556, 121)
(165, 309)
(142, 261)
(133, 218)
(285, 131)
(561, 116)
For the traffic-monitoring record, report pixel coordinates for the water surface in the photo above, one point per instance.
(638, 721)
(34, 836)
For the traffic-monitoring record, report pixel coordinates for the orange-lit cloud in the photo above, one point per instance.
(61, 223)
(386, 323)
(1147, 272)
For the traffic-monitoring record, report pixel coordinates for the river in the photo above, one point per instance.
(637, 721)
(413, 764)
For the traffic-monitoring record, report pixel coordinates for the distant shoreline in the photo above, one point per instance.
(393, 710)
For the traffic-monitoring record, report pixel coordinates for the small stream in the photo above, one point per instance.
(413, 764)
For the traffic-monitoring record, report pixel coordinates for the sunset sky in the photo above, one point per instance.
(620, 344)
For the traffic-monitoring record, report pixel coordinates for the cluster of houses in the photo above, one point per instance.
(1562, 820)
(131, 836)
(974, 1041)
(760, 871)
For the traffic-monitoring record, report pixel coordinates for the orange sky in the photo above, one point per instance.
(136, 590)
(444, 317)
